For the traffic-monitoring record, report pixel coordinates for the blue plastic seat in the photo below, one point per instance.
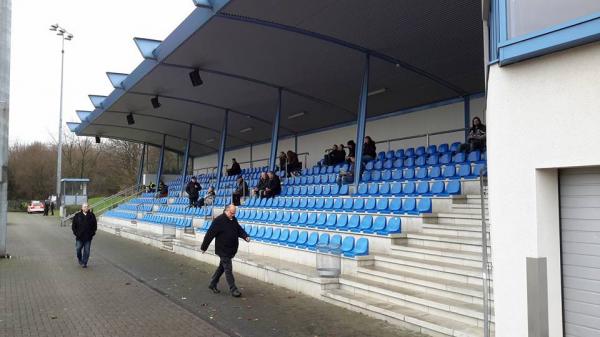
(409, 162)
(388, 164)
(260, 233)
(269, 202)
(347, 245)
(375, 175)
(331, 220)
(455, 147)
(384, 189)
(253, 231)
(386, 175)
(362, 189)
(365, 176)
(310, 190)
(302, 239)
(353, 222)
(369, 166)
(319, 203)
(317, 179)
(265, 216)
(342, 221)
(395, 205)
(397, 175)
(432, 160)
(399, 153)
(381, 155)
(437, 188)
(302, 219)
(302, 180)
(311, 220)
(421, 173)
(318, 190)
(393, 226)
(329, 169)
(443, 148)
(272, 216)
(477, 170)
(378, 165)
(268, 233)
(431, 149)
(409, 206)
(303, 189)
(338, 203)
(323, 240)
(359, 204)
(344, 189)
(408, 174)
(336, 241)
(410, 152)
(296, 203)
(302, 203)
(459, 158)
(474, 156)
(370, 204)
(420, 151)
(445, 158)
(398, 163)
(328, 203)
(423, 188)
(449, 172)
(378, 225)
(310, 203)
(263, 202)
(288, 202)
(464, 170)
(424, 205)
(389, 155)
(321, 220)
(361, 248)
(286, 217)
(285, 235)
(278, 216)
(291, 241)
(348, 203)
(382, 205)
(421, 161)
(310, 180)
(312, 240)
(408, 188)
(373, 189)
(453, 187)
(365, 224)
(435, 172)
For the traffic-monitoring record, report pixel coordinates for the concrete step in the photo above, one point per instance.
(458, 218)
(443, 287)
(456, 230)
(421, 321)
(461, 209)
(469, 313)
(460, 257)
(473, 199)
(470, 244)
(430, 268)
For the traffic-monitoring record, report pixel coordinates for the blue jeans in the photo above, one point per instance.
(85, 246)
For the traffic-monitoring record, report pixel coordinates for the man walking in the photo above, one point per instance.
(226, 229)
(193, 190)
(84, 228)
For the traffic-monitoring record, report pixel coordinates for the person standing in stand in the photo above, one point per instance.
(193, 190)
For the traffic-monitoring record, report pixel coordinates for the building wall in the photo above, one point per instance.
(441, 118)
(542, 114)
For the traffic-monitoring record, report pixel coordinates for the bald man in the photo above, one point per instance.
(84, 228)
(227, 231)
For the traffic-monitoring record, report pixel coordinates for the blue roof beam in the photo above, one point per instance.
(116, 79)
(203, 3)
(147, 47)
(83, 114)
(97, 100)
(72, 126)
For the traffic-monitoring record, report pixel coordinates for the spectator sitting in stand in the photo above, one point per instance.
(208, 199)
(273, 186)
(346, 177)
(193, 190)
(369, 150)
(263, 181)
(240, 191)
(351, 151)
(163, 190)
(293, 164)
(282, 160)
(235, 168)
(476, 137)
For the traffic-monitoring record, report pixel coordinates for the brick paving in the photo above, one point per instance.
(131, 290)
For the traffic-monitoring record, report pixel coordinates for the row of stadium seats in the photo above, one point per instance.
(121, 215)
(380, 225)
(135, 207)
(438, 188)
(150, 201)
(464, 171)
(200, 211)
(433, 160)
(396, 205)
(166, 220)
(331, 189)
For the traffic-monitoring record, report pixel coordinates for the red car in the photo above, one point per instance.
(35, 206)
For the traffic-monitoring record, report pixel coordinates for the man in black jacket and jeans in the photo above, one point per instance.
(193, 190)
(84, 228)
(226, 229)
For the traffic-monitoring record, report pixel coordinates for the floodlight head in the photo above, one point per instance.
(97, 139)
(155, 102)
(69, 37)
(54, 27)
(195, 78)
(130, 120)
(62, 30)
(60, 33)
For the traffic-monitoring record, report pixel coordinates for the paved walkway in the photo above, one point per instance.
(131, 290)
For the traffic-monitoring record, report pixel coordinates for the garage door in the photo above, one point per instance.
(580, 229)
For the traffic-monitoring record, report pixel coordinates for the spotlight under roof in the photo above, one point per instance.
(155, 102)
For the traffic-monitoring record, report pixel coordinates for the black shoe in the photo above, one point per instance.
(84, 266)
(236, 293)
(214, 289)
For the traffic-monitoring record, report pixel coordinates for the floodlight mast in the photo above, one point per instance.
(65, 35)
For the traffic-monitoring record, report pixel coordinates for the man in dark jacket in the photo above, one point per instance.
(193, 190)
(226, 229)
(273, 186)
(240, 191)
(84, 228)
(235, 168)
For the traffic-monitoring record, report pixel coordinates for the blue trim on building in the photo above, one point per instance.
(361, 121)
(146, 46)
(72, 126)
(275, 133)
(116, 79)
(186, 158)
(83, 114)
(221, 158)
(97, 100)
(161, 160)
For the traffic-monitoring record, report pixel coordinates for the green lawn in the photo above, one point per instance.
(93, 201)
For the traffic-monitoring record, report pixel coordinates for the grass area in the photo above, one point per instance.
(93, 201)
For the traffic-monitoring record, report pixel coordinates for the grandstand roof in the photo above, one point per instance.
(421, 52)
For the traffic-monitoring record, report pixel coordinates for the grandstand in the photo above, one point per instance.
(413, 229)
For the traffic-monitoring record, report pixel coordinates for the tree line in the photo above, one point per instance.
(111, 166)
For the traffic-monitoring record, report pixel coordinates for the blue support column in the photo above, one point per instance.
(141, 169)
(251, 154)
(275, 134)
(161, 159)
(186, 157)
(222, 149)
(361, 121)
(467, 116)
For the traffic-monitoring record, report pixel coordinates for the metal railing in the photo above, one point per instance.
(109, 202)
(486, 266)
(425, 136)
(204, 170)
(304, 154)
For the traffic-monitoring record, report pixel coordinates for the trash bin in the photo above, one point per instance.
(329, 260)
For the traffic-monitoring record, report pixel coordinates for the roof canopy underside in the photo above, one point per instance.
(421, 52)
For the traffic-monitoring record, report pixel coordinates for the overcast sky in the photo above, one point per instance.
(103, 41)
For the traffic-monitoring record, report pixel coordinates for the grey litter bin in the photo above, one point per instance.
(329, 260)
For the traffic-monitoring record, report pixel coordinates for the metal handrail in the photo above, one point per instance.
(208, 168)
(112, 200)
(424, 135)
(485, 265)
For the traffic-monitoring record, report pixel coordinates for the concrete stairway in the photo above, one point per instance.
(429, 281)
